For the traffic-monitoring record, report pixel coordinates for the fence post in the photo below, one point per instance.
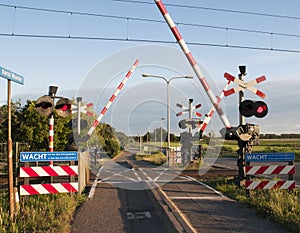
(83, 170)
(87, 168)
(79, 173)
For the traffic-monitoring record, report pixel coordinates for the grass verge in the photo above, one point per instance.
(280, 205)
(156, 158)
(41, 213)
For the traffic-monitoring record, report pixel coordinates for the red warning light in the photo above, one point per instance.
(248, 108)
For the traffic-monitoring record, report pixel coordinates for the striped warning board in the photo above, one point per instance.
(35, 189)
(268, 170)
(48, 171)
(265, 184)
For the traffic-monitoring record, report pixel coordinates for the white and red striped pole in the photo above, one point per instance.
(112, 98)
(51, 135)
(193, 63)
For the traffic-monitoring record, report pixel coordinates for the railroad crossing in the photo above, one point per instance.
(182, 205)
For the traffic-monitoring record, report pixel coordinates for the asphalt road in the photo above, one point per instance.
(113, 209)
(122, 202)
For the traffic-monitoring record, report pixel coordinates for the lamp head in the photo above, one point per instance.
(52, 91)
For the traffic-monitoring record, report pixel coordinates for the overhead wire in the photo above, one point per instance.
(144, 20)
(215, 9)
(147, 19)
(148, 41)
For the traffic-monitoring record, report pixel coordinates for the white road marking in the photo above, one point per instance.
(92, 191)
(172, 203)
(196, 198)
(207, 186)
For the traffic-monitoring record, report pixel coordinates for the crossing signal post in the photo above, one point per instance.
(45, 106)
(52, 94)
(186, 146)
(246, 134)
(190, 123)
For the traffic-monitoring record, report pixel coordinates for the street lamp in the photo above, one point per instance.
(162, 119)
(168, 103)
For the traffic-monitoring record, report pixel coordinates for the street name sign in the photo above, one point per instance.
(48, 156)
(270, 157)
(7, 74)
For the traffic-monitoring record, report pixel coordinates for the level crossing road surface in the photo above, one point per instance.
(114, 209)
(134, 196)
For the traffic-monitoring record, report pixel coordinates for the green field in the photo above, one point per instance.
(267, 145)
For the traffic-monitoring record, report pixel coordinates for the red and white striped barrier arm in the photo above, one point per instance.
(54, 188)
(212, 110)
(193, 63)
(265, 184)
(48, 171)
(112, 98)
(244, 85)
(267, 170)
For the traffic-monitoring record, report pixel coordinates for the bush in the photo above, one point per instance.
(155, 158)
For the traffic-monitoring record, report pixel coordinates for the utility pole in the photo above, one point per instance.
(10, 76)
(190, 128)
(9, 152)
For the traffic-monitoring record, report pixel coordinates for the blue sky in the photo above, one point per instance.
(69, 62)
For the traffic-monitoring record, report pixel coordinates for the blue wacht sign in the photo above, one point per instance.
(5, 73)
(48, 156)
(270, 157)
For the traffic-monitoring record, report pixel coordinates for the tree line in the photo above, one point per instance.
(279, 136)
(32, 128)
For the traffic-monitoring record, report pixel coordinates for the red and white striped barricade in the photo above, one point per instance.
(112, 98)
(52, 171)
(270, 170)
(270, 184)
